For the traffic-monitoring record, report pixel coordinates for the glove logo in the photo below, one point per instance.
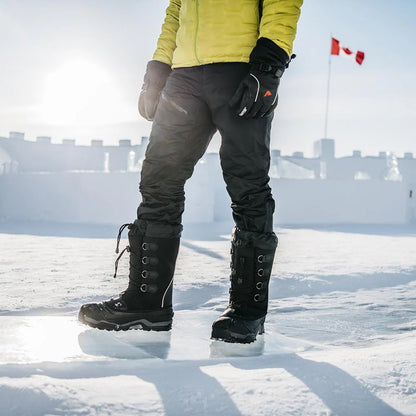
(267, 94)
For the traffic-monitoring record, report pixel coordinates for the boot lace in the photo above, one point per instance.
(127, 248)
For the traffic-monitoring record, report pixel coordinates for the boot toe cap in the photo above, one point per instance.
(223, 322)
(237, 329)
(90, 310)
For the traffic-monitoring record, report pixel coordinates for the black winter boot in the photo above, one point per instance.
(251, 268)
(147, 302)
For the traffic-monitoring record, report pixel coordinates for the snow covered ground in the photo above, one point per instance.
(340, 335)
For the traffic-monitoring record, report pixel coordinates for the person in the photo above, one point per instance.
(217, 66)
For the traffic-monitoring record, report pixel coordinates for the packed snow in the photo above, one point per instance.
(340, 333)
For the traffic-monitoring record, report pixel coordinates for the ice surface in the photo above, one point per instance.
(340, 334)
(31, 339)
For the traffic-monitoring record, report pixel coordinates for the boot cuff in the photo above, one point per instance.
(265, 241)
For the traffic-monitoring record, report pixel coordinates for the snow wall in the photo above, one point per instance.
(112, 198)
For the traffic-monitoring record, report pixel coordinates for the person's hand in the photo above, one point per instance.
(154, 80)
(256, 96)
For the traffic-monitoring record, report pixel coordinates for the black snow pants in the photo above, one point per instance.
(192, 107)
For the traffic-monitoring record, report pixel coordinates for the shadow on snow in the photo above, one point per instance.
(194, 391)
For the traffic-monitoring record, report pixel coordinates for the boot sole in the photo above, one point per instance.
(226, 335)
(143, 324)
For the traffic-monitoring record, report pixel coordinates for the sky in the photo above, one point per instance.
(74, 68)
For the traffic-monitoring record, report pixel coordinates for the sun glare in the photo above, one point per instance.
(80, 92)
(42, 338)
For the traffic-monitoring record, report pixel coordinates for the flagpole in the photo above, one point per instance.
(327, 93)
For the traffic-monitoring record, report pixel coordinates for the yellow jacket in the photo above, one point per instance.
(197, 32)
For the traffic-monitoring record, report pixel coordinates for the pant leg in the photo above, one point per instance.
(244, 153)
(181, 132)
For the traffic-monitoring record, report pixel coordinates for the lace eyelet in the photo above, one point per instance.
(144, 274)
(143, 287)
(145, 260)
(259, 285)
(146, 246)
(256, 297)
(260, 272)
(260, 258)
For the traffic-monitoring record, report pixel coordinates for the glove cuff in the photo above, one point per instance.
(266, 56)
(156, 73)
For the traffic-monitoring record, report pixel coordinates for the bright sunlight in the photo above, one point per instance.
(81, 92)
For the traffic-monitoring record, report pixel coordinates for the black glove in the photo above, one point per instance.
(256, 96)
(154, 80)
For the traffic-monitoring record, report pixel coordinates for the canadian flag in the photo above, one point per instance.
(338, 49)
